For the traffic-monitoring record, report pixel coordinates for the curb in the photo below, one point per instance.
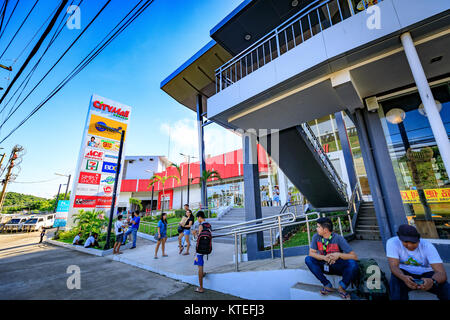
(91, 251)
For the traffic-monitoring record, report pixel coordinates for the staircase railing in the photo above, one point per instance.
(324, 160)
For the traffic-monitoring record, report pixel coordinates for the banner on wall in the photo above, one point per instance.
(432, 195)
(98, 156)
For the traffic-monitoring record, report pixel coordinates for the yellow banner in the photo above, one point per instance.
(95, 129)
(432, 195)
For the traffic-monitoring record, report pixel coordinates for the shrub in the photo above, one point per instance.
(179, 213)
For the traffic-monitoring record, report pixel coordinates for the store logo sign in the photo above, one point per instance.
(109, 167)
(89, 178)
(93, 154)
(107, 190)
(114, 111)
(109, 180)
(92, 165)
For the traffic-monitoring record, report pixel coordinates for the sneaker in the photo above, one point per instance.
(132, 247)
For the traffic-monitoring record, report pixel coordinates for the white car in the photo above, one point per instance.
(39, 222)
(15, 224)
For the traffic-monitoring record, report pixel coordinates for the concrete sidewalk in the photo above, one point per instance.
(260, 279)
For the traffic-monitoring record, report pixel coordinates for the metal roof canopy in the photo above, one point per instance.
(196, 76)
(255, 18)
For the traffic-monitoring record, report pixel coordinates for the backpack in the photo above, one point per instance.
(367, 286)
(204, 240)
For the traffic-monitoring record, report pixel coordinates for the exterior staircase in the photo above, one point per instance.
(237, 215)
(366, 224)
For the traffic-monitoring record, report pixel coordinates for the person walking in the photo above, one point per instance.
(42, 235)
(162, 235)
(186, 223)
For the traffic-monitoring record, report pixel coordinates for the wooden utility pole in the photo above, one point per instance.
(8, 175)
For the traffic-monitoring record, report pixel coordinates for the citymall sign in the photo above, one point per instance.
(98, 156)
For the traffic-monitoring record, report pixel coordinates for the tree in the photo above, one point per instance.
(206, 176)
(136, 202)
(161, 179)
(181, 188)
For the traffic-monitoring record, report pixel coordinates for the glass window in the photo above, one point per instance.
(423, 181)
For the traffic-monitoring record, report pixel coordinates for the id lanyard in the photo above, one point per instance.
(326, 267)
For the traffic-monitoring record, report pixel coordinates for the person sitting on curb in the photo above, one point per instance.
(330, 252)
(77, 240)
(415, 265)
(92, 241)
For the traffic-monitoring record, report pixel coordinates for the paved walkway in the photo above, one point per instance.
(39, 271)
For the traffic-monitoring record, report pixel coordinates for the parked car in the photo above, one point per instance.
(16, 223)
(38, 222)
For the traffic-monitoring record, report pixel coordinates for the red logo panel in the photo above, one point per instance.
(90, 178)
(85, 202)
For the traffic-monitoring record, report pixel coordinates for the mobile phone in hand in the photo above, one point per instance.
(418, 281)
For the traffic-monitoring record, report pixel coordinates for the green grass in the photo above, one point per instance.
(297, 240)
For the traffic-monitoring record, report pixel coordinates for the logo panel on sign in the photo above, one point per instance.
(93, 154)
(96, 127)
(109, 167)
(89, 178)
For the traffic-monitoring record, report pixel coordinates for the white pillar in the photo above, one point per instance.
(437, 126)
(283, 184)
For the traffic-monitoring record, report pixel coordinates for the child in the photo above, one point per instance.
(199, 257)
(92, 241)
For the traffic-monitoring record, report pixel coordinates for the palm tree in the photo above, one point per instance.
(179, 175)
(206, 176)
(162, 179)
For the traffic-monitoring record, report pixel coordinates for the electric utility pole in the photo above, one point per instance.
(8, 174)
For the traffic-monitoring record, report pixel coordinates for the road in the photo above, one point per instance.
(39, 271)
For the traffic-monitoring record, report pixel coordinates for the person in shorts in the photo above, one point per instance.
(189, 221)
(198, 261)
(162, 235)
(118, 230)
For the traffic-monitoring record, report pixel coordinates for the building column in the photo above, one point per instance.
(201, 150)
(372, 176)
(283, 184)
(252, 196)
(437, 126)
(346, 149)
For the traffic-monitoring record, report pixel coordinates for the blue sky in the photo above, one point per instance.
(129, 71)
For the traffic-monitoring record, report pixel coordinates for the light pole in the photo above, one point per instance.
(68, 182)
(189, 180)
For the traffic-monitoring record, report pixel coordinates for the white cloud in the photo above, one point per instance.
(183, 139)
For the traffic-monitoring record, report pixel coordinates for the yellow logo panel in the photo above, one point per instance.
(96, 129)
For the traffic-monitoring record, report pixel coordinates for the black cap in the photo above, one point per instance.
(408, 233)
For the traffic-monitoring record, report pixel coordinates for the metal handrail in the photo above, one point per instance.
(324, 159)
(150, 224)
(248, 227)
(227, 73)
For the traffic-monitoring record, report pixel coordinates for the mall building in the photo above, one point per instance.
(376, 71)
(227, 192)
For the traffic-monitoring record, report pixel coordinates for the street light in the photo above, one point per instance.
(189, 180)
(68, 182)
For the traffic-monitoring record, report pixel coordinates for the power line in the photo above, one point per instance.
(20, 27)
(87, 60)
(10, 16)
(32, 182)
(31, 72)
(35, 49)
(54, 65)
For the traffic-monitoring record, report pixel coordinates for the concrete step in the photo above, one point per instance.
(303, 291)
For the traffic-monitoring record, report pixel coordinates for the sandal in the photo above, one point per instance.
(186, 254)
(165, 255)
(198, 290)
(155, 257)
(326, 291)
(344, 295)
(181, 250)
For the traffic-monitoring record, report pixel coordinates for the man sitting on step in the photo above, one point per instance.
(331, 253)
(415, 265)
